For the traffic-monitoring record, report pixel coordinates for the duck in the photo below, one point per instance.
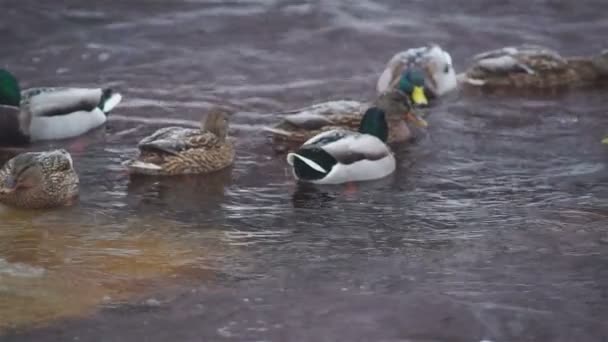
(341, 156)
(423, 73)
(38, 114)
(530, 66)
(39, 180)
(172, 151)
(303, 124)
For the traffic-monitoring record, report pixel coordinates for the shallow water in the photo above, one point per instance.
(493, 226)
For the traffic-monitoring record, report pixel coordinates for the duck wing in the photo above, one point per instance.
(348, 147)
(63, 101)
(173, 140)
(320, 115)
(525, 58)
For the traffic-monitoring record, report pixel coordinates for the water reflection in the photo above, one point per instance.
(500, 204)
(179, 195)
(51, 269)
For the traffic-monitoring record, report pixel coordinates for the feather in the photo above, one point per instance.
(308, 120)
(436, 62)
(111, 102)
(309, 162)
(65, 126)
(355, 147)
(173, 140)
(504, 64)
(60, 101)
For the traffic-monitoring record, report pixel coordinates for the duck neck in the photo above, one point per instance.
(374, 123)
(10, 93)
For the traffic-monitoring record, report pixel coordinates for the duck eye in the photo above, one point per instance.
(446, 69)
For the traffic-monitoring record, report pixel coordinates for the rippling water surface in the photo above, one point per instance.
(493, 226)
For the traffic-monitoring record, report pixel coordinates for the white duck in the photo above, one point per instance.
(50, 113)
(340, 156)
(424, 72)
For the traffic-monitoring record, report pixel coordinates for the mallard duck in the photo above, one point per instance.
(36, 180)
(308, 122)
(340, 156)
(177, 150)
(533, 66)
(50, 113)
(422, 73)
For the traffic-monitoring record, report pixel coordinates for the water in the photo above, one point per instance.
(493, 226)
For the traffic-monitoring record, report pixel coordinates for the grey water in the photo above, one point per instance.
(494, 226)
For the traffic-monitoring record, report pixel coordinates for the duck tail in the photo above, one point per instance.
(311, 164)
(109, 100)
(291, 159)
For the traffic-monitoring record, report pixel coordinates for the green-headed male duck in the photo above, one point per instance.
(340, 156)
(50, 113)
(296, 128)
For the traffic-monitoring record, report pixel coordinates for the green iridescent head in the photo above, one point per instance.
(10, 94)
(412, 83)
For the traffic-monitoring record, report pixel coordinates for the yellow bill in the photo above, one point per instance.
(418, 96)
(605, 141)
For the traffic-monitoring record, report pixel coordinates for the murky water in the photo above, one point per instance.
(494, 225)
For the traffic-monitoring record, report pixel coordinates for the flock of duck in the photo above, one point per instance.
(327, 143)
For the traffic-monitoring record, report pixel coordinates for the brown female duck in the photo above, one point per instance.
(177, 150)
(36, 180)
(534, 67)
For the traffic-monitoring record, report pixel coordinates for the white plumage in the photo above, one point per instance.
(436, 62)
(359, 157)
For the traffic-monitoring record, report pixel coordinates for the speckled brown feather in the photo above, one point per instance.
(210, 158)
(59, 186)
(187, 151)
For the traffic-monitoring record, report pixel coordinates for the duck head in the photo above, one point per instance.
(397, 104)
(217, 122)
(10, 93)
(38, 180)
(412, 83)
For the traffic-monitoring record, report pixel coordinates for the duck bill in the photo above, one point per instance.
(418, 96)
(605, 141)
(415, 119)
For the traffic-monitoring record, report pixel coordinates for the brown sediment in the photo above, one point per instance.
(72, 275)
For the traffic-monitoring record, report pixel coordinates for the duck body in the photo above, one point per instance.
(61, 113)
(174, 151)
(430, 63)
(339, 156)
(50, 113)
(38, 180)
(306, 123)
(534, 67)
